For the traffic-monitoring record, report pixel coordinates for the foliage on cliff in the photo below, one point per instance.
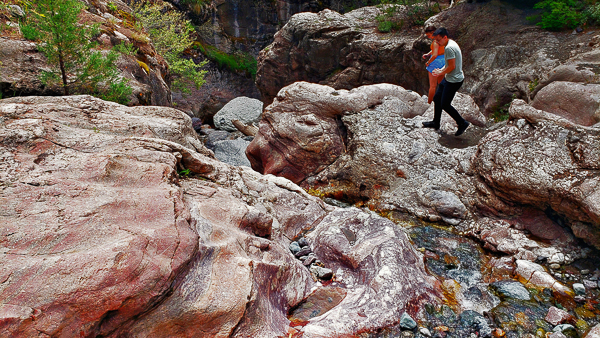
(172, 34)
(68, 45)
(418, 11)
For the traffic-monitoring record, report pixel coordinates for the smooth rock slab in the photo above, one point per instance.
(94, 227)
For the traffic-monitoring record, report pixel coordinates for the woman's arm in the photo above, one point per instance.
(434, 53)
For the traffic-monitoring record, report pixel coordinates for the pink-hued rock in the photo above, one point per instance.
(544, 160)
(577, 102)
(594, 332)
(534, 275)
(300, 132)
(94, 225)
(104, 238)
(557, 316)
(364, 251)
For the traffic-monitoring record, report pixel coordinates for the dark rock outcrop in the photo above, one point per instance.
(504, 56)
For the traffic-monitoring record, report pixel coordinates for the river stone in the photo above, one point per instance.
(557, 335)
(302, 242)
(511, 289)
(425, 331)
(557, 316)
(475, 320)
(304, 251)
(564, 327)
(321, 272)
(294, 247)
(232, 152)
(406, 322)
(579, 288)
(244, 109)
(214, 136)
(445, 203)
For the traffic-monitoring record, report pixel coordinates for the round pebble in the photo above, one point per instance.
(554, 266)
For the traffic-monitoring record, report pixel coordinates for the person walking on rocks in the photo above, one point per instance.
(435, 59)
(453, 80)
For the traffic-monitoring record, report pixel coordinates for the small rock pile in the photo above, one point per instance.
(303, 252)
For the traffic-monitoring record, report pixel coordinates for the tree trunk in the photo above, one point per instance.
(63, 72)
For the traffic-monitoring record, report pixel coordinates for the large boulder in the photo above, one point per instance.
(343, 51)
(95, 229)
(544, 160)
(302, 133)
(104, 238)
(244, 109)
(577, 102)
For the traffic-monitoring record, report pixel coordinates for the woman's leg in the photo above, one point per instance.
(433, 82)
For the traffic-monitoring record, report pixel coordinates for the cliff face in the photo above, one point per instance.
(504, 56)
(250, 25)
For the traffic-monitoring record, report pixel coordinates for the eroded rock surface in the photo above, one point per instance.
(104, 237)
(367, 146)
(546, 161)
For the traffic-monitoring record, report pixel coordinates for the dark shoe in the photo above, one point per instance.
(462, 128)
(431, 124)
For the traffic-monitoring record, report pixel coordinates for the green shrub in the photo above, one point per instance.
(68, 46)
(417, 12)
(112, 7)
(239, 62)
(592, 14)
(125, 48)
(29, 32)
(171, 35)
(385, 26)
(558, 14)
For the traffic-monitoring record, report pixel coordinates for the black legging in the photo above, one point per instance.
(443, 100)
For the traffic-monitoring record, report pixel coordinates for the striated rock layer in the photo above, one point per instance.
(106, 235)
(367, 146)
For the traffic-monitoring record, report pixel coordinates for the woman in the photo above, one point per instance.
(435, 60)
